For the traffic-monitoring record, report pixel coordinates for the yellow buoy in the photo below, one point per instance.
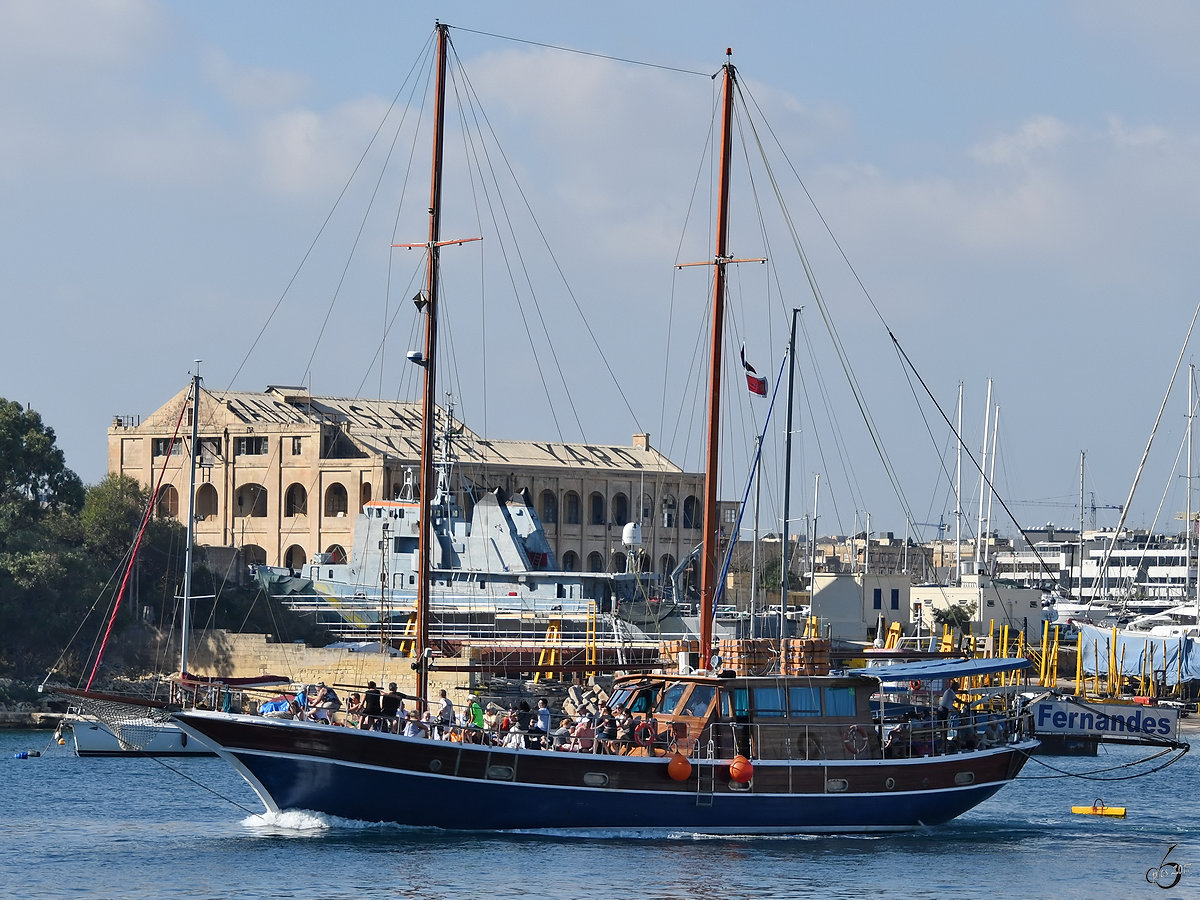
(62, 741)
(1099, 809)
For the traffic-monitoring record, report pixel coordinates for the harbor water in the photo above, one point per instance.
(145, 828)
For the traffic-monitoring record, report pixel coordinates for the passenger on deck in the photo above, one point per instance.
(391, 707)
(992, 735)
(899, 740)
(524, 716)
(625, 727)
(325, 704)
(473, 721)
(302, 700)
(948, 702)
(543, 716)
(560, 737)
(445, 713)
(967, 737)
(474, 712)
(372, 708)
(606, 732)
(413, 726)
(583, 738)
(354, 708)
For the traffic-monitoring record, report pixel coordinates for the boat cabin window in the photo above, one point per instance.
(637, 701)
(620, 698)
(671, 698)
(839, 701)
(699, 700)
(769, 701)
(803, 700)
(796, 701)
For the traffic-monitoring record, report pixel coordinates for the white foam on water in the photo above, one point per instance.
(295, 820)
(302, 821)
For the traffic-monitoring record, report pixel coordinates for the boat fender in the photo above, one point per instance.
(680, 767)
(741, 769)
(857, 739)
(644, 734)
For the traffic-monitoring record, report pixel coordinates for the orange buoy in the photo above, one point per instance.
(741, 770)
(679, 768)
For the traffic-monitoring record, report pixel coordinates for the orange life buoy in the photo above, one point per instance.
(644, 734)
(857, 739)
(914, 685)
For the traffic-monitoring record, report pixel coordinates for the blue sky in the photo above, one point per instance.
(1016, 185)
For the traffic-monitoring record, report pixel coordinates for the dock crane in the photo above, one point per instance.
(1093, 506)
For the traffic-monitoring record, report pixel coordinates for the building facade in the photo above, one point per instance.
(283, 473)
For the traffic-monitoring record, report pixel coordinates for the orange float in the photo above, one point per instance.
(679, 768)
(740, 769)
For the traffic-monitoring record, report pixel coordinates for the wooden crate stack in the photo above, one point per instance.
(747, 657)
(805, 656)
(669, 652)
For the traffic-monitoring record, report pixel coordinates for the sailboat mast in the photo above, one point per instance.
(1082, 461)
(711, 544)
(429, 398)
(185, 630)
(787, 483)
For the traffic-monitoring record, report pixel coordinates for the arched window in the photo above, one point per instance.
(364, 495)
(254, 555)
(337, 554)
(666, 563)
(620, 509)
(167, 504)
(336, 500)
(647, 509)
(619, 561)
(295, 557)
(668, 511)
(251, 500)
(595, 562)
(571, 505)
(596, 510)
(692, 515)
(549, 512)
(295, 501)
(206, 501)
(570, 561)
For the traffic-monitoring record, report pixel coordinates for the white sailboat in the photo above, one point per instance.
(98, 729)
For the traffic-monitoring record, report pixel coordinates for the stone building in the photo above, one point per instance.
(282, 475)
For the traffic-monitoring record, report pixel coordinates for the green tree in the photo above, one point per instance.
(112, 512)
(956, 615)
(33, 471)
(41, 554)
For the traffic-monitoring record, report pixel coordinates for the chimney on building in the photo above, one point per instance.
(641, 441)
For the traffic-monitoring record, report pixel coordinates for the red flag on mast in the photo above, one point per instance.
(756, 384)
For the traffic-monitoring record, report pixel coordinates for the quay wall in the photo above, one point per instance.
(229, 655)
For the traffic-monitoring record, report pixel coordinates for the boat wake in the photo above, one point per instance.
(302, 821)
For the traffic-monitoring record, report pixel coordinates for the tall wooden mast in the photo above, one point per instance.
(712, 524)
(429, 398)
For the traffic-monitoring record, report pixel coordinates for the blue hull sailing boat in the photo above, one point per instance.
(711, 751)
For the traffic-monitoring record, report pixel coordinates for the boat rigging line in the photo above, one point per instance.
(1094, 774)
(592, 53)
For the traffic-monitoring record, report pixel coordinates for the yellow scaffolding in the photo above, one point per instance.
(551, 653)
